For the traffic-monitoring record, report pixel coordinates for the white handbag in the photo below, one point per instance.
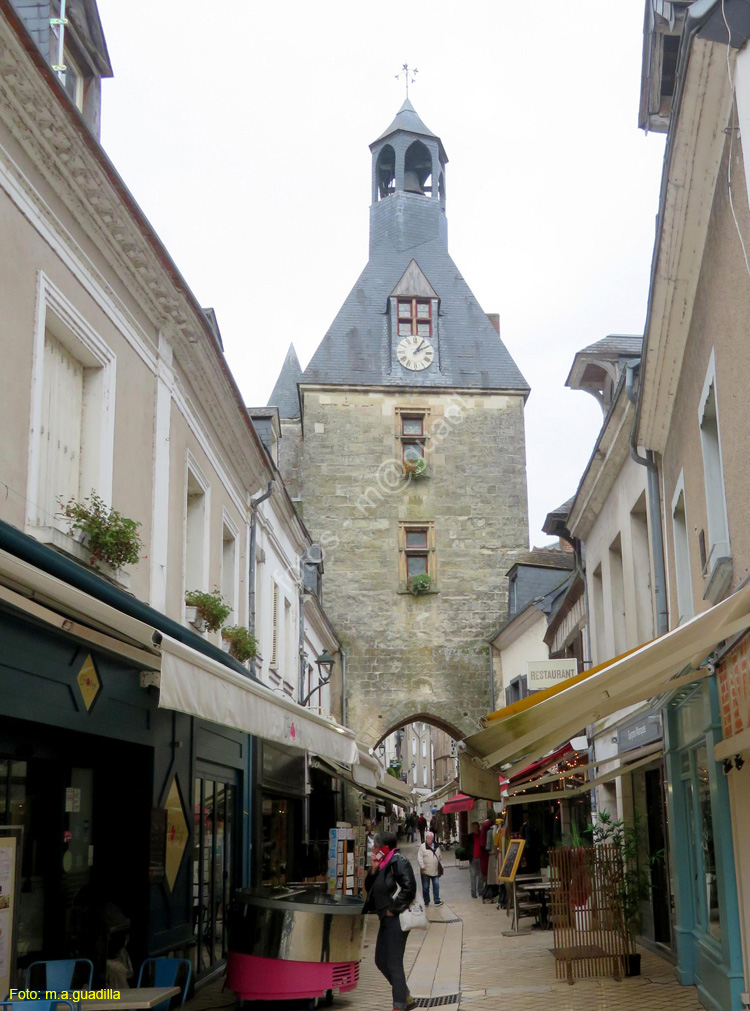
(414, 916)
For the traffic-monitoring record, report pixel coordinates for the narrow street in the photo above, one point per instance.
(464, 961)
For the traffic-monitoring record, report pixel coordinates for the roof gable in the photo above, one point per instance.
(413, 282)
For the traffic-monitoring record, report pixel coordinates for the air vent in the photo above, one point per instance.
(451, 998)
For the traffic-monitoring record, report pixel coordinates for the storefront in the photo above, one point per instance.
(707, 930)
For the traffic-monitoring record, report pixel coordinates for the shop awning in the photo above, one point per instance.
(193, 683)
(362, 778)
(459, 803)
(525, 731)
(542, 764)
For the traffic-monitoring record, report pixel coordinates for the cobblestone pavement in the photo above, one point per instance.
(464, 961)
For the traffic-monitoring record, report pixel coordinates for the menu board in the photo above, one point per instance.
(511, 860)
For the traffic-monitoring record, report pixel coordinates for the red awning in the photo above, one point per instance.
(542, 764)
(458, 803)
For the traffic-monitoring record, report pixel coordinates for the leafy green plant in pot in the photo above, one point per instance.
(212, 607)
(631, 881)
(415, 466)
(242, 642)
(108, 535)
(420, 584)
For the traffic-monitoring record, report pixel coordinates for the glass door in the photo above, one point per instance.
(213, 877)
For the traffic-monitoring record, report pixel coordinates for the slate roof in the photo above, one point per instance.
(615, 343)
(407, 119)
(546, 558)
(357, 348)
(285, 395)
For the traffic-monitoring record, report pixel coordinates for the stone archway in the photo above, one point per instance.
(373, 723)
(424, 717)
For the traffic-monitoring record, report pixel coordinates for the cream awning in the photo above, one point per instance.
(193, 683)
(361, 777)
(529, 729)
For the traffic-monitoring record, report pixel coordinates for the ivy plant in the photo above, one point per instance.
(242, 643)
(107, 534)
(211, 606)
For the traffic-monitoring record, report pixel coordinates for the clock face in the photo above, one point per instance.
(415, 353)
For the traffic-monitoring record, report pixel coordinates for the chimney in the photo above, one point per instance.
(494, 318)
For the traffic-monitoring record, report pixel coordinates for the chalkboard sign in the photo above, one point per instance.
(511, 860)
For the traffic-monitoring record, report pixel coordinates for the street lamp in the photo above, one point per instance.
(324, 663)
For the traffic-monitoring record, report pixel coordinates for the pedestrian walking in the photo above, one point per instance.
(412, 823)
(391, 887)
(428, 858)
(422, 825)
(475, 867)
(484, 856)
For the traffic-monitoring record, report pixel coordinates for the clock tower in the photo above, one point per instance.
(404, 442)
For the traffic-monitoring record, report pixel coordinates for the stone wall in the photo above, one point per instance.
(415, 655)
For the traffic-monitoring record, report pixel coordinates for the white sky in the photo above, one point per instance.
(243, 129)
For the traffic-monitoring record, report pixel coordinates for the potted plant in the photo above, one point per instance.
(107, 535)
(631, 880)
(415, 466)
(206, 610)
(420, 584)
(242, 643)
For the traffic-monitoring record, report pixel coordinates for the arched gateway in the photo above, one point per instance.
(404, 443)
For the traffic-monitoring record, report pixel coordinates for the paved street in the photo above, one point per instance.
(463, 960)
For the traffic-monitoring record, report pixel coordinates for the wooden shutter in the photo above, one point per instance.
(60, 433)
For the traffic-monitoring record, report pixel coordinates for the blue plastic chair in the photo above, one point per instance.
(33, 1005)
(59, 974)
(164, 972)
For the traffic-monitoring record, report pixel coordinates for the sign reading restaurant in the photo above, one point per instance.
(546, 673)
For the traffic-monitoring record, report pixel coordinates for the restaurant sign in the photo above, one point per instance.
(548, 673)
(644, 730)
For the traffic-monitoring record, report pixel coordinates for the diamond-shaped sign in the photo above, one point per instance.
(88, 682)
(177, 834)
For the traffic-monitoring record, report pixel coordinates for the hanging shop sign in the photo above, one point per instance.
(645, 729)
(548, 673)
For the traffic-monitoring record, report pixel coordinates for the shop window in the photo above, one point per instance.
(213, 872)
(696, 793)
(414, 746)
(424, 749)
(416, 551)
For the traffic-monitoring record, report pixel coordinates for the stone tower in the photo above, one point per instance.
(404, 441)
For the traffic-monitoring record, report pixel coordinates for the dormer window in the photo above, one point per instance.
(414, 317)
(73, 80)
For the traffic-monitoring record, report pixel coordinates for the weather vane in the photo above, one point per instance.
(408, 75)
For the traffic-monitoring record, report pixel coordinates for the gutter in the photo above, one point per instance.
(654, 505)
(74, 574)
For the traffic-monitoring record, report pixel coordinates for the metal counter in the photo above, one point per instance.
(297, 924)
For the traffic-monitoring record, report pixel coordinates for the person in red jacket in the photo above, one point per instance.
(422, 826)
(475, 869)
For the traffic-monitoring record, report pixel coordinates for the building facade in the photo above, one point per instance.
(406, 449)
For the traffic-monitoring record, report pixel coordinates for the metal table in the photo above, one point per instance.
(140, 998)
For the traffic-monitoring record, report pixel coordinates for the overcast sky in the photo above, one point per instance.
(242, 129)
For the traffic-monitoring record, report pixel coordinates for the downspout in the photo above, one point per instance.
(492, 682)
(301, 605)
(343, 686)
(254, 503)
(654, 507)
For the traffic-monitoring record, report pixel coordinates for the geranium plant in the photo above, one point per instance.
(211, 606)
(415, 466)
(107, 534)
(242, 643)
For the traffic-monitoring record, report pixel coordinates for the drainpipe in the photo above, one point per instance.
(654, 507)
(492, 683)
(254, 503)
(343, 686)
(301, 629)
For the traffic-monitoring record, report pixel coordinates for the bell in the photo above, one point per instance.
(412, 183)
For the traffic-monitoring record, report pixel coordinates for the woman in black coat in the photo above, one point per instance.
(389, 872)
